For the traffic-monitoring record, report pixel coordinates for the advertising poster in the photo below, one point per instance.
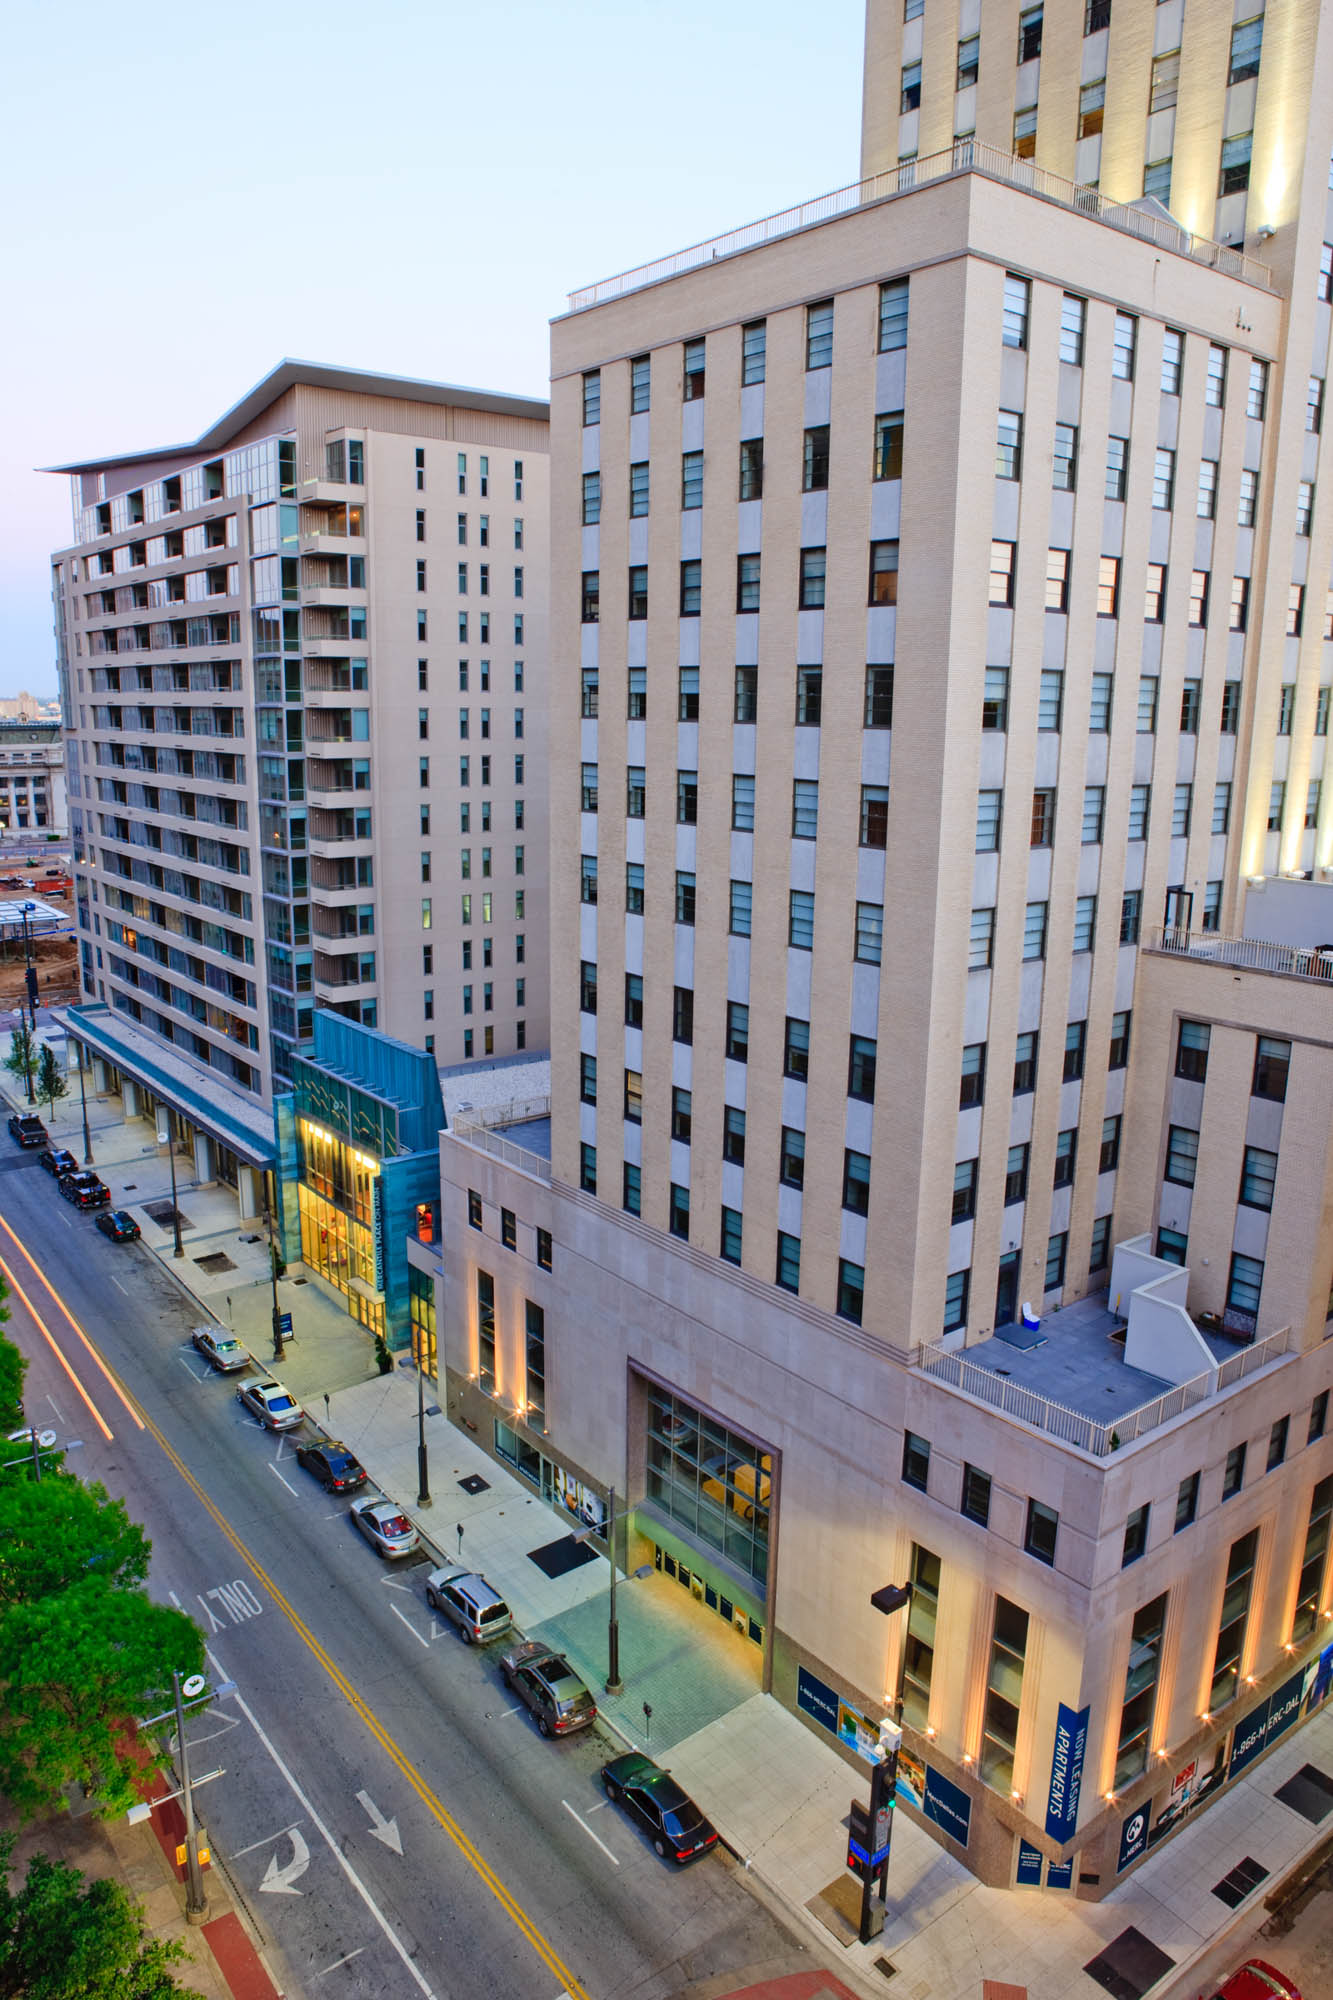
(858, 1732)
(910, 1789)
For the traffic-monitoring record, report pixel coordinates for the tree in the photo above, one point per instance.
(51, 1084)
(13, 1367)
(61, 1532)
(75, 1669)
(61, 1935)
(22, 1058)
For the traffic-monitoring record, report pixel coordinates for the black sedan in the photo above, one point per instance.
(650, 1795)
(58, 1161)
(119, 1225)
(332, 1464)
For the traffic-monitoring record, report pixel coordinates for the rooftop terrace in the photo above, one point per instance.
(1148, 220)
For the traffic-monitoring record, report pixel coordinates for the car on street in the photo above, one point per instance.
(385, 1526)
(650, 1795)
(546, 1683)
(332, 1464)
(218, 1346)
(460, 1594)
(119, 1225)
(270, 1404)
(85, 1190)
(58, 1161)
(1257, 1980)
(27, 1129)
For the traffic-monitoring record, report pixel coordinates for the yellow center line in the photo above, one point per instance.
(59, 1353)
(93, 1354)
(433, 1804)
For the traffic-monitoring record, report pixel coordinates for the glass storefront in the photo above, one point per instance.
(335, 1198)
(708, 1594)
(421, 1293)
(715, 1484)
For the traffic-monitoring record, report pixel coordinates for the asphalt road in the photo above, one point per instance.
(387, 1813)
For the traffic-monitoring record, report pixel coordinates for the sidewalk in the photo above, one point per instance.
(778, 1793)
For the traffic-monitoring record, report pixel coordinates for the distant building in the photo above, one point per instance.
(32, 777)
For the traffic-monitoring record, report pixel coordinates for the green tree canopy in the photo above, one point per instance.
(22, 1058)
(51, 1084)
(13, 1368)
(61, 1935)
(75, 1670)
(59, 1532)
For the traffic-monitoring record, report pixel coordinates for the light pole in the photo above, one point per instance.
(30, 984)
(883, 1780)
(196, 1902)
(423, 1473)
(614, 1684)
(279, 1351)
(83, 1106)
(166, 1134)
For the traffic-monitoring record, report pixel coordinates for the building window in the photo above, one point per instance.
(1042, 1526)
(884, 572)
(1073, 320)
(1215, 383)
(1325, 290)
(1094, 814)
(1042, 829)
(1286, 707)
(916, 1461)
(587, 1079)
(1181, 808)
(1029, 34)
(995, 699)
(1050, 698)
(851, 1290)
(1157, 180)
(1024, 141)
(1154, 599)
(1277, 799)
(1009, 445)
(1004, 1694)
(1057, 1248)
(1248, 499)
(687, 798)
(1310, 1581)
(636, 707)
(1238, 616)
(733, 1135)
(1244, 1284)
(1025, 1062)
(893, 315)
(956, 1287)
(742, 802)
(587, 987)
(474, 1208)
(678, 1214)
(738, 1031)
(1235, 174)
(682, 1014)
(1164, 477)
(814, 563)
(1272, 1061)
(969, 62)
(684, 897)
(796, 1051)
(964, 1190)
(1131, 915)
(972, 1081)
(745, 698)
(740, 909)
(1277, 1443)
(801, 919)
(1247, 39)
(639, 489)
(1066, 1157)
(1233, 1620)
(691, 480)
(856, 1182)
(869, 933)
(874, 826)
(981, 940)
(588, 1169)
(878, 711)
(1034, 930)
(1057, 579)
(1230, 721)
(1123, 344)
(681, 1116)
(1092, 104)
(791, 1159)
(1135, 1543)
(1117, 467)
(751, 469)
(888, 461)
(592, 596)
(754, 343)
(1108, 1157)
(1198, 612)
(1141, 1675)
(1205, 505)
(587, 878)
(1016, 1175)
(1108, 587)
(592, 407)
(693, 385)
(1017, 300)
(861, 1063)
(976, 1495)
(1182, 1155)
(633, 1000)
(788, 1273)
(729, 1248)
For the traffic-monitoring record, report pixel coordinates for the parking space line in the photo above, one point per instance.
(588, 1830)
(410, 1626)
(116, 1282)
(277, 1475)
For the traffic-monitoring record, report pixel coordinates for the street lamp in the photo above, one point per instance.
(614, 1684)
(30, 982)
(279, 1351)
(189, 1692)
(165, 1136)
(883, 1780)
(83, 1106)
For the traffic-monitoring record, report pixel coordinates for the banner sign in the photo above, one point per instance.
(1263, 1725)
(1133, 1837)
(379, 1230)
(949, 1807)
(1071, 1742)
(817, 1699)
(1029, 1866)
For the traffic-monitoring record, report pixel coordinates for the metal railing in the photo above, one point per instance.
(965, 155)
(1252, 954)
(1090, 1434)
(504, 1150)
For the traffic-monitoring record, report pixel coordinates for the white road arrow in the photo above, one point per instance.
(282, 1881)
(383, 1829)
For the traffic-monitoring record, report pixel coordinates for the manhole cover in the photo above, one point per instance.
(474, 1483)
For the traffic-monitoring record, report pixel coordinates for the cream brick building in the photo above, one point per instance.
(929, 673)
(341, 589)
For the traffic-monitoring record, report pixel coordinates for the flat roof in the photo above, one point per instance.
(319, 375)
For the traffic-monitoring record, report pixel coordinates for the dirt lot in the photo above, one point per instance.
(56, 960)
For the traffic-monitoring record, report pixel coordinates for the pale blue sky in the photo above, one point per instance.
(193, 192)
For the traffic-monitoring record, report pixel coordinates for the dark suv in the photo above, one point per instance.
(58, 1161)
(85, 1190)
(27, 1129)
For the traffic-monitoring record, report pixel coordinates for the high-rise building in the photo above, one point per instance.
(942, 648)
(302, 667)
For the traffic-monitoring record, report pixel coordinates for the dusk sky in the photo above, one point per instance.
(192, 194)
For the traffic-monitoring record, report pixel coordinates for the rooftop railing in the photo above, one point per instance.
(504, 1150)
(965, 155)
(1091, 1434)
(1249, 954)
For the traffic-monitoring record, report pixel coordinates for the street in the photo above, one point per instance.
(388, 1813)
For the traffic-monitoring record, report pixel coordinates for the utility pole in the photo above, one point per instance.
(423, 1474)
(614, 1684)
(166, 1134)
(83, 1106)
(279, 1351)
(196, 1902)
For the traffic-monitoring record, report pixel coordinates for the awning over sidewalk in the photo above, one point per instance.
(229, 1116)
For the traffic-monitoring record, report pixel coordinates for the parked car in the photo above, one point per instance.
(479, 1612)
(546, 1683)
(650, 1795)
(1257, 1980)
(27, 1129)
(119, 1225)
(385, 1526)
(58, 1161)
(332, 1464)
(85, 1190)
(270, 1404)
(216, 1345)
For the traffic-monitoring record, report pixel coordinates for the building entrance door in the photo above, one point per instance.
(1006, 1291)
